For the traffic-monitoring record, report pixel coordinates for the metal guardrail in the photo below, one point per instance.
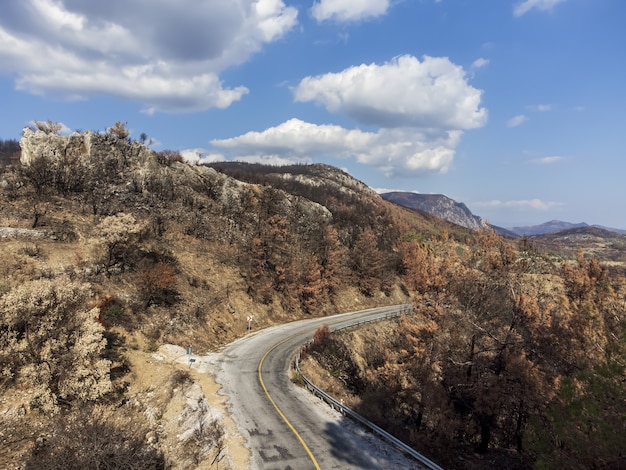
(353, 414)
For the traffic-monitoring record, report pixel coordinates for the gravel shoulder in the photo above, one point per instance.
(211, 369)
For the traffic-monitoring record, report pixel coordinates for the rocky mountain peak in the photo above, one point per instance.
(438, 205)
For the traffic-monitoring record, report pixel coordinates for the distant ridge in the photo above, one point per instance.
(439, 205)
(457, 213)
(556, 226)
(546, 227)
(616, 230)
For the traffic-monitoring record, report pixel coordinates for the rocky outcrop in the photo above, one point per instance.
(10, 232)
(37, 144)
(113, 166)
(438, 205)
(80, 145)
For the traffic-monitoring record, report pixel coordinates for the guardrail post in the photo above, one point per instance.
(345, 411)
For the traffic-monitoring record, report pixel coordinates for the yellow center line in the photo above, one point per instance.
(282, 415)
(308, 451)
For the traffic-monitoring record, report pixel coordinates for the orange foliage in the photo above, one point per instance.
(321, 335)
(157, 284)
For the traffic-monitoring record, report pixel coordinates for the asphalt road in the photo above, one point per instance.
(284, 430)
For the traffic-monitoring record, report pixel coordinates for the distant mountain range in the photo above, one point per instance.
(557, 226)
(458, 213)
(546, 227)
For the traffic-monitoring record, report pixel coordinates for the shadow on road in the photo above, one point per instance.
(362, 450)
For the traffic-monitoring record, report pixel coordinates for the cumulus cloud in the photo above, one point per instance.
(516, 120)
(419, 110)
(543, 5)
(404, 92)
(395, 152)
(135, 49)
(349, 10)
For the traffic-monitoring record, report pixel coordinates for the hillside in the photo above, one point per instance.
(113, 213)
(439, 205)
(560, 238)
(157, 251)
(113, 251)
(605, 245)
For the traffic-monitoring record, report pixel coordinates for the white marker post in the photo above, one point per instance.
(249, 322)
(189, 353)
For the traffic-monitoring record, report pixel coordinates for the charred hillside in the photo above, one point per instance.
(605, 245)
(184, 244)
(352, 204)
(110, 248)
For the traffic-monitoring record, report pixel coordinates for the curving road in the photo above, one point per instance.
(283, 428)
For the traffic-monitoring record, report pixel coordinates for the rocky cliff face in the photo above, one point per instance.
(86, 145)
(116, 173)
(438, 205)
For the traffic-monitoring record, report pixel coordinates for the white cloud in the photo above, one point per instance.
(536, 204)
(420, 110)
(200, 156)
(542, 108)
(192, 155)
(527, 5)
(390, 190)
(274, 160)
(404, 92)
(548, 160)
(516, 120)
(480, 63)
(395, 152)
(349, 10)
(167, 56)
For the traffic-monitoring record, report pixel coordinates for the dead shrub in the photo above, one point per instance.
(167, 157)
(84, 439)
(181, 378)
(321, 336)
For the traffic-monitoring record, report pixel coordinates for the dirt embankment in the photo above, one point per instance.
(187, 419)
(182, 408)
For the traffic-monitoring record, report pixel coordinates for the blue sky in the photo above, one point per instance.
(515, 107)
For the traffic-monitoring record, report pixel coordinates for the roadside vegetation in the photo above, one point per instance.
(109, 247)
(511, 360)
